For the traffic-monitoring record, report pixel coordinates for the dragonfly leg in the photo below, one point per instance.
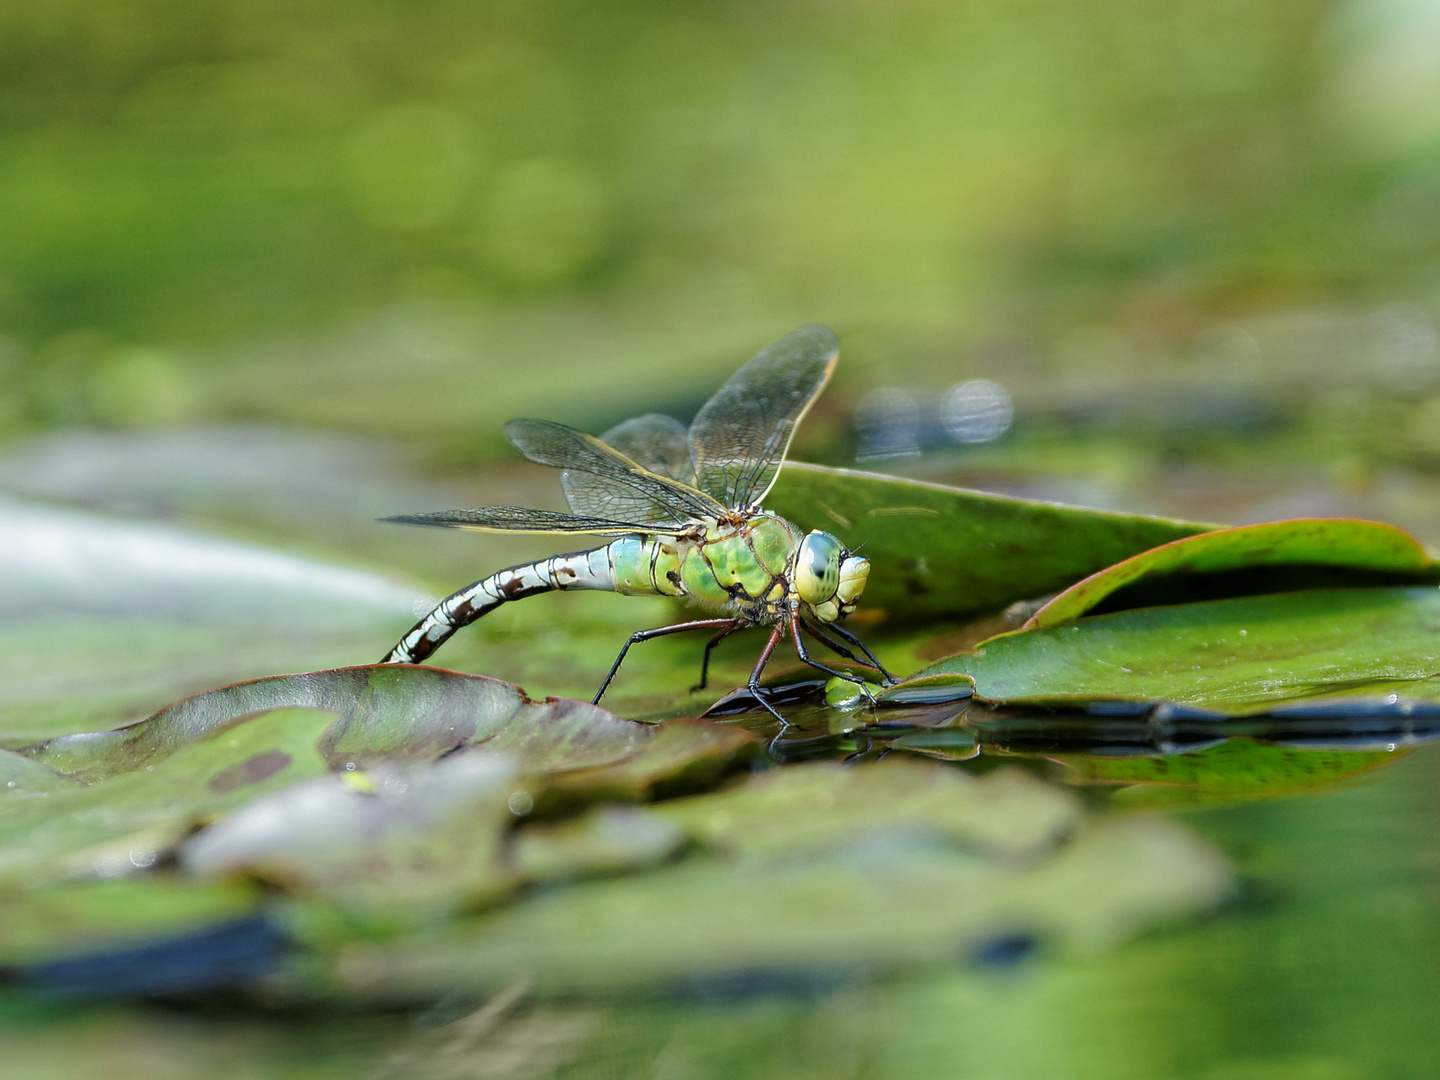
(853, 640)
(805, 656)
(753, 684)
(735, 624)
(731, 626)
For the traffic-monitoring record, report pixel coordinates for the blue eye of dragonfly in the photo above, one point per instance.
(682, 508)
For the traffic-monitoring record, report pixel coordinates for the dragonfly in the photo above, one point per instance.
(682, 510)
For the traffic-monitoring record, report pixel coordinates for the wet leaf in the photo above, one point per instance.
(1313, 547)
(941, 551)
(123, 824)
(1238, 656)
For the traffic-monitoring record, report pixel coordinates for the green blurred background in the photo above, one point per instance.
(1197, 243)
(421, 218)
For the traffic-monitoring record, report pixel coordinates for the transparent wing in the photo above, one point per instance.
(521, 519)
(739, 438)
(600, 482)
(656, 442)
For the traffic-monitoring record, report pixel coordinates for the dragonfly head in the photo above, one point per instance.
(828, 578)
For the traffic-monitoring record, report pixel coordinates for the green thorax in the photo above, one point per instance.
(730, 565)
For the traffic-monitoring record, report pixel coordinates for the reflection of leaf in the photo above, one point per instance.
(122, 824)
(938, 550)
(1303, 545)
(1236, 655)
(1236, 767)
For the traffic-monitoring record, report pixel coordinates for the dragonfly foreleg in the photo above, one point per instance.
(806, 658)
(853, 640)
(729, 626)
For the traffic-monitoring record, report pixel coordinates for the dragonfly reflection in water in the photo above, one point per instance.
(683, 507)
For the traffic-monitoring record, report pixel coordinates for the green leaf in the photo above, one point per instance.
(941, 551)
(406, 842)
(1237, 656)
(1305, 544)
(814, 805)
(123, 824)
(879, 866)
(385, 712)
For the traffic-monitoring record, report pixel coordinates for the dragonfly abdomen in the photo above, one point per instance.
(574, 570)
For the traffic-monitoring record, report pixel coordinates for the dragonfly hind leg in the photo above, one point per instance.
(735, 624)
(727, 627)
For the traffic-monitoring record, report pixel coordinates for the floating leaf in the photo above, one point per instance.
(412, 840)
(386, 712)
(123, 824)
(943, 551)
(1308, 548)
(824, 888)
(1238, 656)
(607, 840)
(818, 804)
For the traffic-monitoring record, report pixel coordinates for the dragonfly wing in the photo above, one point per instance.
(739, 438)
(657, 442)
(522, 519)
(600, 482)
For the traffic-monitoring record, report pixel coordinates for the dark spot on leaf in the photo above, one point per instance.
(250, 771)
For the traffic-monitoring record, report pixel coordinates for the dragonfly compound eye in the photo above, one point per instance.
(817, 567)
(853, 572)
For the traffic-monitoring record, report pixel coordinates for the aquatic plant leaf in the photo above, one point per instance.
(385, 712)
(820, 803)
(408, 841)
(607, 840)
(1237, 656)
(1317, 547)
(941, 551)
(123, 824)
(816, 897)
